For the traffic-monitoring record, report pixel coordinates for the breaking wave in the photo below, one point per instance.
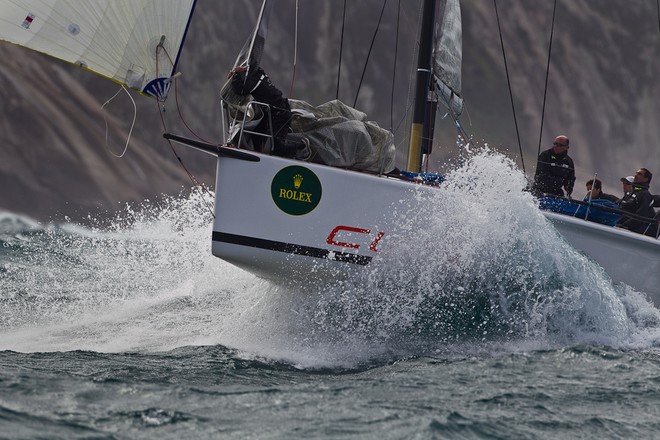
(484, 272)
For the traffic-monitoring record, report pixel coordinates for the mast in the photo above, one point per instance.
(422, 86)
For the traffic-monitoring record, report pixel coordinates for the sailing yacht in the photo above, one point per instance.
(345, 217)
(281, 218)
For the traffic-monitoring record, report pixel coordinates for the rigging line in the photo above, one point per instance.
(130, 132)
(180, 113)
(547, 74)
(295, 52)
(366, 62)
(161, 111)
(593, 185)
(196, 183)
(468, 138)
(396, 49)
(508, 80)
(176, 98)
(403, 118)
(193, 179)
(341, 49)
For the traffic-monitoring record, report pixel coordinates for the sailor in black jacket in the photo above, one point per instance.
(555, 171)
(636, 200)
(254, 81)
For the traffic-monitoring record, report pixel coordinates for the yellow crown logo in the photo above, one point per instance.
(297, 181)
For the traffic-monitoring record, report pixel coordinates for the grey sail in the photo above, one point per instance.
(254, 46)
(448, 56)
(250, 54)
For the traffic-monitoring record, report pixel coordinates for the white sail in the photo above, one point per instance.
(133, 42)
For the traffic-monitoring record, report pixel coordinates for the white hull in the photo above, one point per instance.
(353, 217)
(344, 231)
(627, 257)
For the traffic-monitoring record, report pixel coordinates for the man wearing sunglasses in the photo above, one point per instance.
(555, 171)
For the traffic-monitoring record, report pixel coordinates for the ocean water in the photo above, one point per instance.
(486, 325)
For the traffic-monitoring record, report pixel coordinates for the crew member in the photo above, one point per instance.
(636, 200)
(555, 171)
(254, 81)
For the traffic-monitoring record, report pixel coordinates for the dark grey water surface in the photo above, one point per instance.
(213, 392)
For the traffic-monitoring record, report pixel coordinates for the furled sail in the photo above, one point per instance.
(133, 42)
(250, 55)
(448, 56)
(254, 46)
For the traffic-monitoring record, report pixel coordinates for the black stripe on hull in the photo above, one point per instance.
(289, 248)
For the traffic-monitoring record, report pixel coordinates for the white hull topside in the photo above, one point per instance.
(262, 224)
(276, 217)
(627, 257)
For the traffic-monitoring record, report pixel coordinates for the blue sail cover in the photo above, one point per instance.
(590, 212)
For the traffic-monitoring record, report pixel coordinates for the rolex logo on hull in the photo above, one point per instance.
(296, 190)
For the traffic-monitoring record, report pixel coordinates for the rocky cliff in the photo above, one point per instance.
(603, 91)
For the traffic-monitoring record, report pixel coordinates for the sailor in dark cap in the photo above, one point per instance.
(636, 200)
